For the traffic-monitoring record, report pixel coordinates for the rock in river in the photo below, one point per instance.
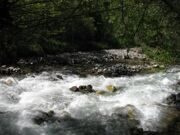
(174, 99)
(111, 88)
(74, 89)
(9, 81)
(83, 89)
(44, 117)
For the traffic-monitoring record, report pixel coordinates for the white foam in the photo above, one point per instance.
(144, 92)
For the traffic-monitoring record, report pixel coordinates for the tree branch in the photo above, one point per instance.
(142, 18)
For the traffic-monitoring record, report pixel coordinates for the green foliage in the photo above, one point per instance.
(159, 55)
(30, 50)
(39, 27)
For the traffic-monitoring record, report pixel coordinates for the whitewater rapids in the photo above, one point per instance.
(21, 97)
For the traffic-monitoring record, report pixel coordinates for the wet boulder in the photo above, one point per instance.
(129, 123)
(111, 88)
(83, 89)
(74, 89)
(59, 77)
(102, 92)
(129, 111)
(55, 78)
(9, 81)
(43, 117)
(171, 99)
(174, 99)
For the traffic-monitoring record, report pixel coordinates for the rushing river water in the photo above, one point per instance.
(141, 97)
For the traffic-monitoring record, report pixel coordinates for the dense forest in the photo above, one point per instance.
(39, 27)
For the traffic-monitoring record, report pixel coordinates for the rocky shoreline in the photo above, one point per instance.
(112, 63)
(127, 114)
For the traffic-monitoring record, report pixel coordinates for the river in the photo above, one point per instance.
(139, 101)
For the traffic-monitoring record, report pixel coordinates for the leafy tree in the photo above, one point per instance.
(39, 27)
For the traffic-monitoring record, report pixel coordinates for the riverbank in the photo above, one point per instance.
(112, 63)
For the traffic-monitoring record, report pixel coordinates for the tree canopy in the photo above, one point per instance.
(40, 27)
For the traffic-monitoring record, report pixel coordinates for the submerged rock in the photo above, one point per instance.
(89, 89)
(44, 117)
(55, 77)
(174, 99)
(59, 77)
(171, 99)
(132, 116)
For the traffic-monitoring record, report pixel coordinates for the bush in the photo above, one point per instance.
(159, 55)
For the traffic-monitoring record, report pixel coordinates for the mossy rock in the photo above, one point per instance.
(111, 88)
(130, 114)
(101, 92)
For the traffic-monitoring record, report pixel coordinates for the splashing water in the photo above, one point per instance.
(142, 95)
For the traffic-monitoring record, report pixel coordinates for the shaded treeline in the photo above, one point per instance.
(40, 27)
